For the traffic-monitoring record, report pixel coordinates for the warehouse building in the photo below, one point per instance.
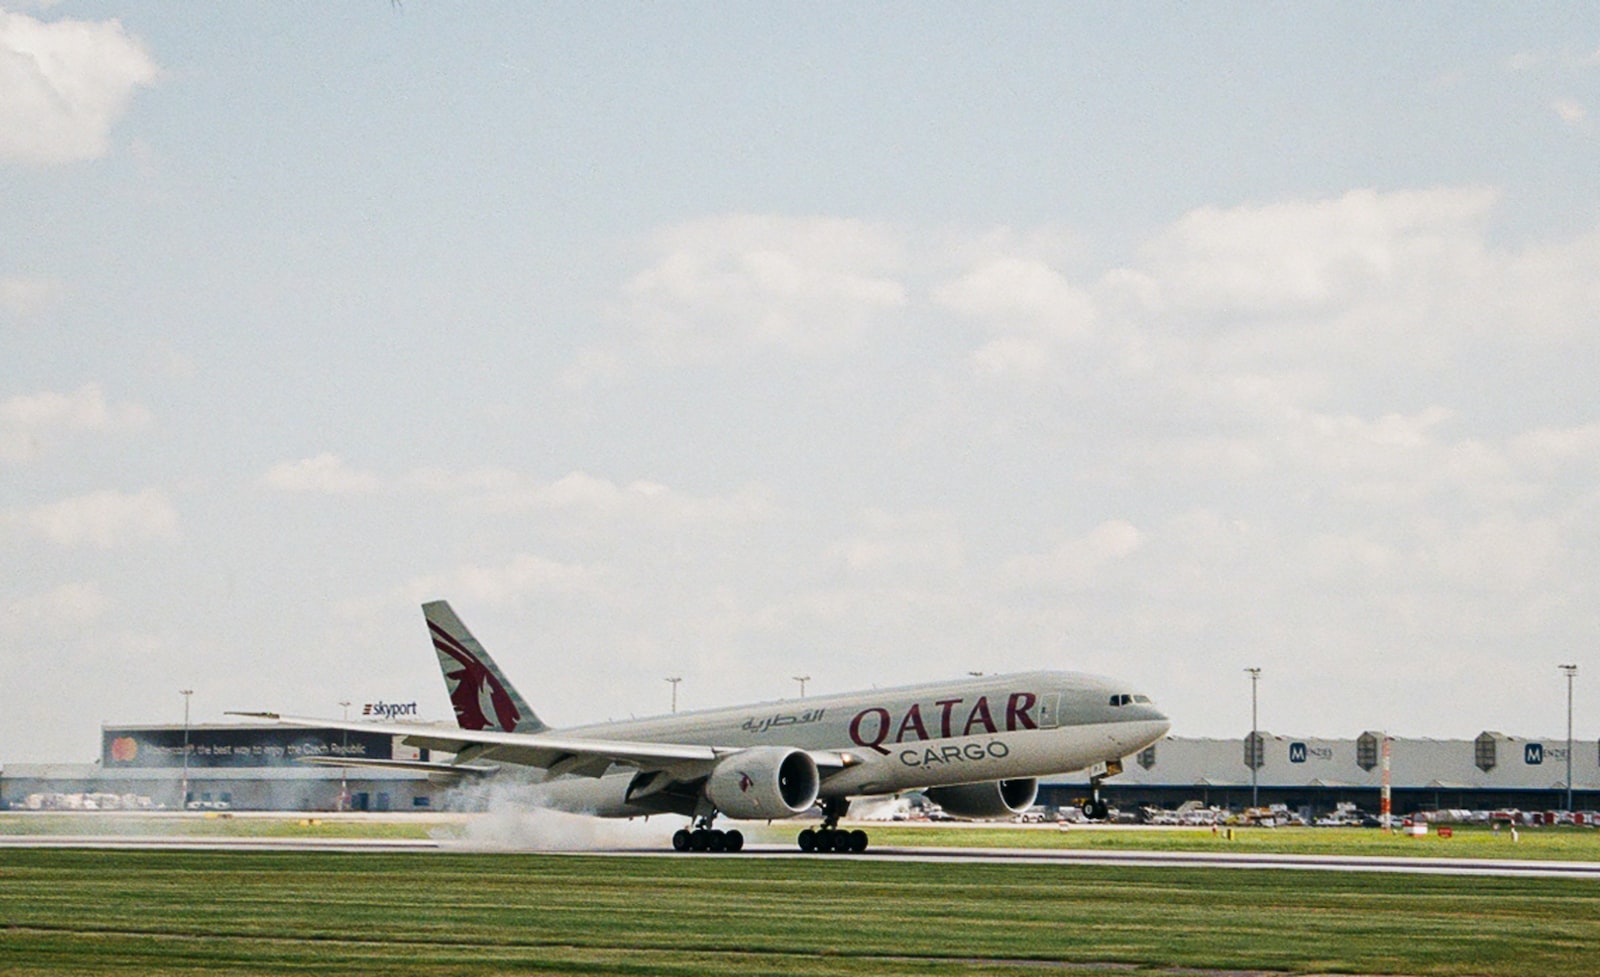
(1492, 771)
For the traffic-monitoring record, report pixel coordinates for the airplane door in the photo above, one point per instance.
(1049, 705)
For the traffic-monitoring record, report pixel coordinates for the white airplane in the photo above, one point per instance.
(975, 746)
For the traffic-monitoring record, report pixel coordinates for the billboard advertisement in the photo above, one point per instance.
(235, 746)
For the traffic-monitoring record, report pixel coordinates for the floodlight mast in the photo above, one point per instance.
(1255, 740)
(183, 798)
(344, 772)
(1572, 671)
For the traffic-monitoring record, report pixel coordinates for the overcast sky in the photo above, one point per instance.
(875, 343)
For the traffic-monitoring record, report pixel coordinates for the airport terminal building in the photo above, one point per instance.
(267, 766)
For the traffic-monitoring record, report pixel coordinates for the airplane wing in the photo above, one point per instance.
(557, 754)
(456, 771)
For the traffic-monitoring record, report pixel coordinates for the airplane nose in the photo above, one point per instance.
(1140, 734)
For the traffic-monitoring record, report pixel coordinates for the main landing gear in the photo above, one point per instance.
(705, 838)
(830, 837)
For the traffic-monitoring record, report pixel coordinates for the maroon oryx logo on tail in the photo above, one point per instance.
(467, 695)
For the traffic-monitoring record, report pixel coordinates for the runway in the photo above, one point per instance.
(1499, 868)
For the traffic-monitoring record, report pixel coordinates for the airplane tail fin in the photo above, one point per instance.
(483, 697)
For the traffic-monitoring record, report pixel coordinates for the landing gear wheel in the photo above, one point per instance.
(681, 840)
(734, 841)
(828, 837)
(1096, 810)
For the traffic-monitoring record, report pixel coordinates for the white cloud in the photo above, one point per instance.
(810, 286)
(324, 474)
(28, 298)
(523, 576)
(1311, 257)
(1571, 111)
(1013, 356)
(902, 545)
(63, 85)
(59, 612)
(1076, 563)
(29, 422)
(581, 494)
(1016, 293)
(1548, 447)
(105, 519)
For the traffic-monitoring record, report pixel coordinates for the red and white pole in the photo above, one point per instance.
(1385, 806)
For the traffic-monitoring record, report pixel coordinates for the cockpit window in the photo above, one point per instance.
(1124, 699)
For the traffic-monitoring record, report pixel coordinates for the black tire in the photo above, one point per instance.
(735, 840)
(826, 839)
(680, 840)
(718, 841)
(699, 839)
(858, 840)
(808, 841)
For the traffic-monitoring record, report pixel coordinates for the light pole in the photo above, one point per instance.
(675, 680)
(1255, 745)
(183, 793)
(344, 772)
(802, 679)
(1571, 670)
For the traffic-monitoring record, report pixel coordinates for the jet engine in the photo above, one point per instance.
(994, 799)
(764, 782)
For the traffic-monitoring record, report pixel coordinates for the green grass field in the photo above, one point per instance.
(1574, 844)
(1565, 843)
(122, 912)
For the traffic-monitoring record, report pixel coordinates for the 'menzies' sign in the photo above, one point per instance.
(875, 726)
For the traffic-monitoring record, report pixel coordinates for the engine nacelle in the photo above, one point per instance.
(764, 782)
(994, 799)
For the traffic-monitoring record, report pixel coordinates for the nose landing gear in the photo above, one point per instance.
(1094, 808)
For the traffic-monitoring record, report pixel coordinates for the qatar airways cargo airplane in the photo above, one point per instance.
(975, 746)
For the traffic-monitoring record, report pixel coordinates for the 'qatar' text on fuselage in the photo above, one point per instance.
(874, 726)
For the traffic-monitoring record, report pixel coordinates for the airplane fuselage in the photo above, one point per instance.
(989, 728)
